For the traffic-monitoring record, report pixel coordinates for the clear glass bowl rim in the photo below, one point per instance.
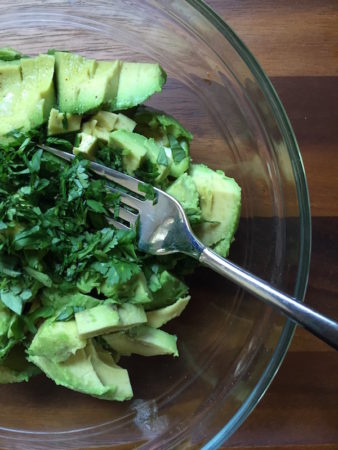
(304, 219)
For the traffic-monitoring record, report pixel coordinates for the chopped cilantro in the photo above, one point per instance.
(178, 152)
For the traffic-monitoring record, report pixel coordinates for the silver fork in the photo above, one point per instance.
(164, 229)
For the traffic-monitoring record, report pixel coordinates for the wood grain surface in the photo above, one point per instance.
(296, 42)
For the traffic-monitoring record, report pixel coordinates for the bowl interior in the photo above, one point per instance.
(226, 338)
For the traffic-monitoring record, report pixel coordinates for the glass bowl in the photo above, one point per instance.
(231, 344)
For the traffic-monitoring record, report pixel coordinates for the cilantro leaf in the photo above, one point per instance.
(162, 157)
(178, 152)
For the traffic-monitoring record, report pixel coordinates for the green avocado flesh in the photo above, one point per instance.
(85, 85)
(77, 297)
(143, 340)
(220, 202)
(26, 93)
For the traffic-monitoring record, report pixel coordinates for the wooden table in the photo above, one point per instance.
(296, 43)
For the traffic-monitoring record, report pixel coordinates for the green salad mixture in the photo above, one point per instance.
(76, 295)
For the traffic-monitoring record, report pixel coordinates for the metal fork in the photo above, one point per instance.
(164, 229)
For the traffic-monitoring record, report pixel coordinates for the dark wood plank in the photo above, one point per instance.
(289, 38)
(301, 406)
(312, 106)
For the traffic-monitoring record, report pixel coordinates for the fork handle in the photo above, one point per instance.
(321, 326)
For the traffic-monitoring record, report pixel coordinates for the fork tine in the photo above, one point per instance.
(122, 179)
(126, 215)
(117, 224)
(119, 178)
(127, 199)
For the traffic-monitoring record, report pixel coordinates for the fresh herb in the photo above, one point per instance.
(66, 145)
(177, 150)
(55, 215)
(148, 189)
(162, 157)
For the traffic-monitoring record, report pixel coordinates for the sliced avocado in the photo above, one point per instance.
(26, 93)
(143, 340)
(86, 85)
(220, 201)
(185, 192)
(60, 123)
(165, 289)
(115, 378)
(135, 291)
(136, 148)
(87, 145)
(161, 316)
(56, 341)
(138, 81)
(131, 315)
(91, 371)
(107, 317)
(75, 373)
(124, 123)
(98, 320)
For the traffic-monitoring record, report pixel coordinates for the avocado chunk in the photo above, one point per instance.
(88, 371)
(106, 120)
(61, 123)
(124, 123)
(114, 377)
(87, 145)
(98, 320)
(107, 317)
(220, 202)
(161, 124)
(138, 81)
(133, 146)
(179, 155)
(169, 134)
(100, 125)
(136, 148)
(161, 316)
(26, 93)
(143, 340)
(56, 341)
(75, 373)
(185, 192)
(86, 85)
(165, 289)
